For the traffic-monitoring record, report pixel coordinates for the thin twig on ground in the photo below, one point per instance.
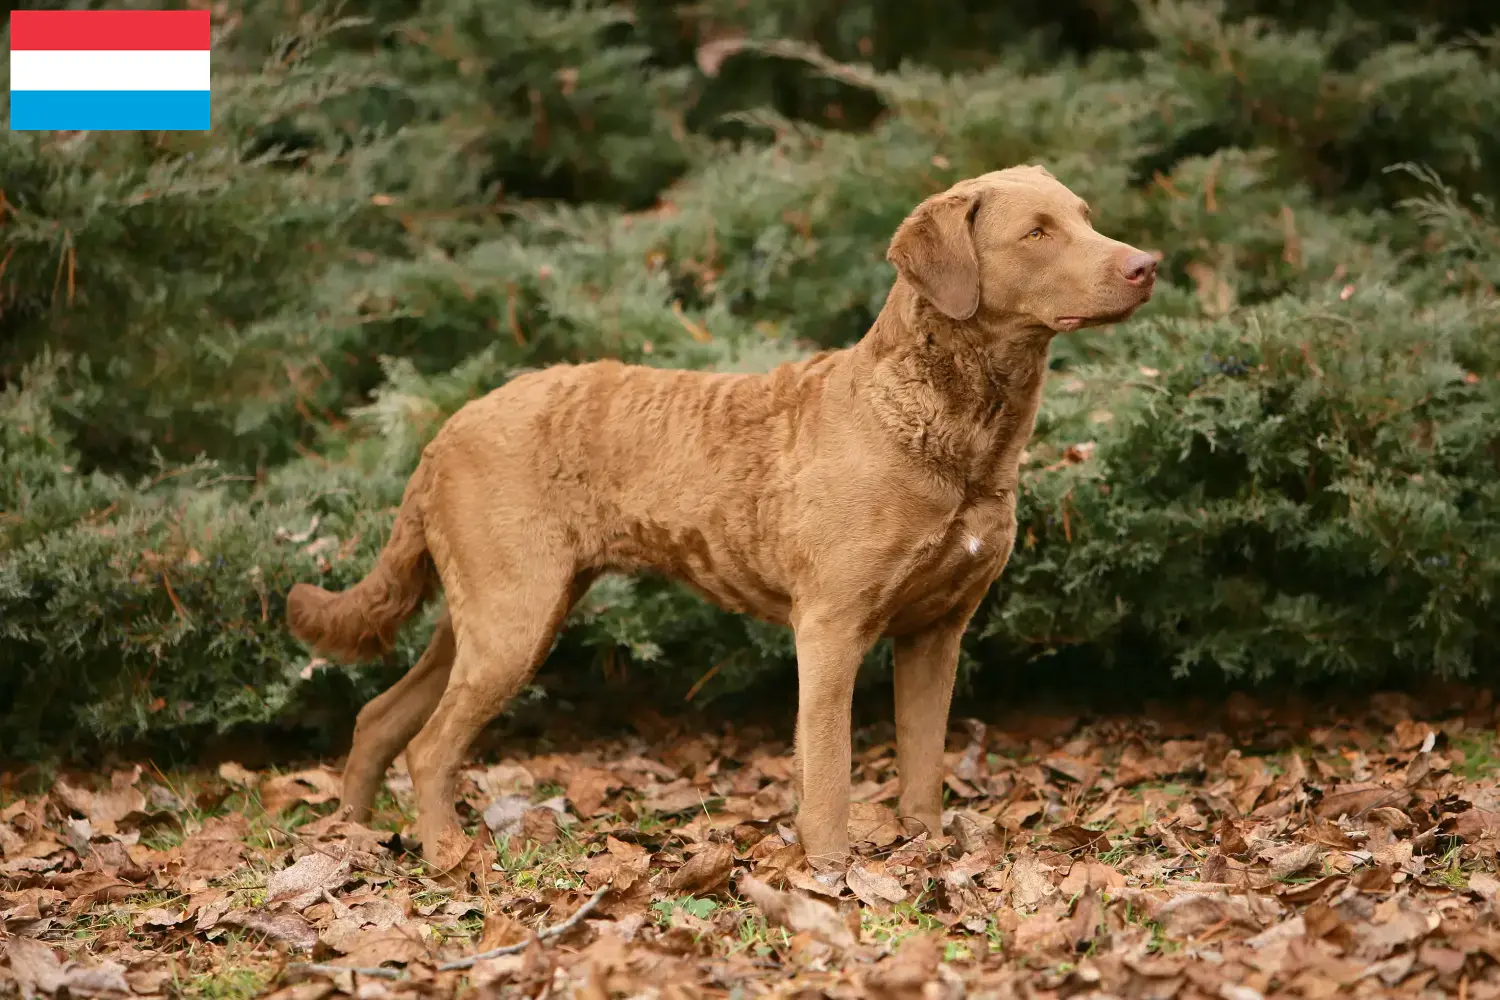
(542, 935)
(329, 970)
(462, 963)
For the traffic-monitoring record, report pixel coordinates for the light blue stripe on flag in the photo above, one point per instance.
(109, 110)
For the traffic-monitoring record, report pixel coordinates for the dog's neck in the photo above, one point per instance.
(962, 395)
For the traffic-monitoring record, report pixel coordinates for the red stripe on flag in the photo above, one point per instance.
(135, 30)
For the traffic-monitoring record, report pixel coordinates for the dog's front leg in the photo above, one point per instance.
(830, 648)
(926, 663)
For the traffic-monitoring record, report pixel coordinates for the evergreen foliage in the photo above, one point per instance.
(221, 353)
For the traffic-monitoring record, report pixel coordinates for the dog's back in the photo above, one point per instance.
(643, 468)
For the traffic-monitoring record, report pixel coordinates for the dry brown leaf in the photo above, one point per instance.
(314, 787)
(678, 797)
(1047, 930)
(773, 867)
(1073, 839)
(829, 882)
(1328, 834)
(36, 967)
(288, 928)
(799, 913)
(971, 831)
(106, 809)
(303, 882)
(588, 787)
(705, 872)
(42, 845)
(1409, 735)
(1380, 923)
(1472, 825)
(1485, 884)
(1355, 801)
(620, 866)
(1189, 914)
(873, 885)
(401, 944)
(217, 848)
(237, 774)
(344, 836)
(157, 916)
(1311, 892)
(1089, 873)
(1083, 925)
(1029, 884)
(875, 823)
(540, 825)
(501, 929)
(1405, 925)
(915, 972)
(506, 777)
(206, 906)
(1017, 814)
(503, 816)
(1293, 859)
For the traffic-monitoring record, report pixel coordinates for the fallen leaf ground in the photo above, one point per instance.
(1240, 853)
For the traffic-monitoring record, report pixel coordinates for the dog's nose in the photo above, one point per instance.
(1139, 268)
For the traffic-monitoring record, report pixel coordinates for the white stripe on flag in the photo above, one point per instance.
(42, 69)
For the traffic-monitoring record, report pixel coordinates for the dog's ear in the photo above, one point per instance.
(934, 250)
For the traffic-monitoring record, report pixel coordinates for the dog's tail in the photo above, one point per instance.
(361, 623)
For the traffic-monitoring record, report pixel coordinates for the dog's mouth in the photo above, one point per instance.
(1067, 324)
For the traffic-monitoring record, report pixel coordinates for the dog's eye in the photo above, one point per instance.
(1035, 234)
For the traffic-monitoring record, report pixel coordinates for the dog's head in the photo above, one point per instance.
(1017, 244)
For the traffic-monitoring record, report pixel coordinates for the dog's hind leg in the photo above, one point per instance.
(389, 721)
(507, 607)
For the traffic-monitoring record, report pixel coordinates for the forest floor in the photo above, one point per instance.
(1247, 851)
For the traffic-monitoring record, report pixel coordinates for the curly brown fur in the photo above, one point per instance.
(361, 623)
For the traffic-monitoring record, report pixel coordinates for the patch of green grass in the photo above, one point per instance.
(166, 899)
(994, 935)
(901, 921)
(428, 897)
(1450, 869)
(164, 837)
(1159, 942)
(756, 936)
(227, 982)
(648, 822)
(246, 878)
(1480, 757)
(96, 920)
(1116, 855)
(1297, 879)
(537, 865)
(700, 908)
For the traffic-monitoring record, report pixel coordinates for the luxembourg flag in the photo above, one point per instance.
(108, 70)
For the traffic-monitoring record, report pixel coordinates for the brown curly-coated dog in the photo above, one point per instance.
(862, 492)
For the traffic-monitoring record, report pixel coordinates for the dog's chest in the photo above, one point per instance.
(980, 530)
(970, 549)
